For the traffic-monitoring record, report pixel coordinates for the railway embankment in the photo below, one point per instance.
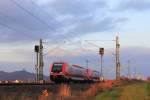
(134, 91)
(73, 91)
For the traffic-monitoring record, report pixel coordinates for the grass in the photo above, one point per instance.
(109, 95)
(148, 89)
(137, 91)
(134, 91)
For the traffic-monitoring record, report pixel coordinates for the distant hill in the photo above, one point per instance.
(18, 75)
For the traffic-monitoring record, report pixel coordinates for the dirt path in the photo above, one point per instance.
(134, 92)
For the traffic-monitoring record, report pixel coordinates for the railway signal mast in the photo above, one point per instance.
(101, 52)
(117, 56)
(39, 64)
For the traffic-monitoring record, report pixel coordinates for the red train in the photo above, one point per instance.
(63, 72)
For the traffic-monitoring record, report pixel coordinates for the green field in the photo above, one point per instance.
(136, 91)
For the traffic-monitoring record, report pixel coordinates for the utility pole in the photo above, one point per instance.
(117, 58)
(87, 63)
(135, 73)
(129, 73)
(39, 63)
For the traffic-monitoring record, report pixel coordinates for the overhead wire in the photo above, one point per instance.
(47, 15)
(65, 38)
(11, 18)
(10, 28)
(33, 3)
(31, 14)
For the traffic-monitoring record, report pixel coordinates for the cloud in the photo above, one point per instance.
(60, 19)
(135, 5)
(53, 19)
(20, 55)
(18, 25)
(139, 58)
(76, 7)
(93, 26)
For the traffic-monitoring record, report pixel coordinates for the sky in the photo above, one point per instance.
(67, 28)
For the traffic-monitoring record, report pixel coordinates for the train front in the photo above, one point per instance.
(56, 71)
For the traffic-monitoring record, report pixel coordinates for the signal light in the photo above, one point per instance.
(101, 51)
(37, 48)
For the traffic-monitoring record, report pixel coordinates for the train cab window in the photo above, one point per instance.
(57, 68)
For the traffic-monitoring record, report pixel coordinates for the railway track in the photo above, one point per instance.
(47, 83)
(19, 84)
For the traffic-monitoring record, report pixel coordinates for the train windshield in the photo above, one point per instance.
(57, 68)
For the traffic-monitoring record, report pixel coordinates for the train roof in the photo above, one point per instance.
(59, 62)
(78, 66)
(96, 71)
(74, 65)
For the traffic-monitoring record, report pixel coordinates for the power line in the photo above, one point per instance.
(10, 28)
(40, 8)
(40, 20)
(31, 14)
(46, 14)
(12, 19)
(129, 72)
